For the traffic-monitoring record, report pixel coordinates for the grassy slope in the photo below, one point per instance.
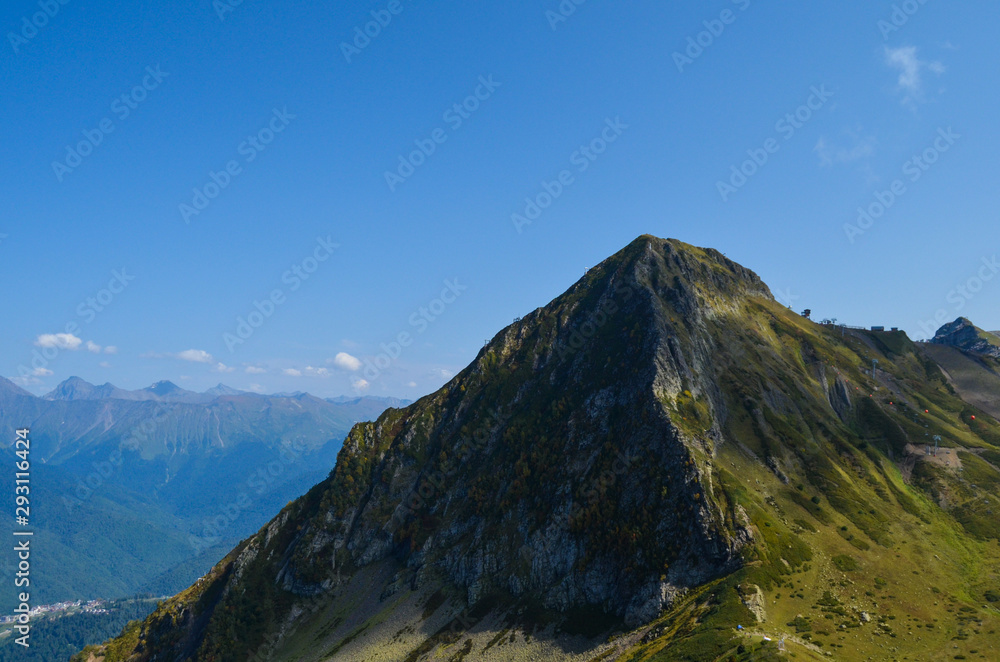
(976, 379)
(916, 569)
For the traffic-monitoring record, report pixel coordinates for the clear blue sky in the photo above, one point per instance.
(557, 85)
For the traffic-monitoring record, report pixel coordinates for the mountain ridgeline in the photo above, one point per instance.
(661, 454)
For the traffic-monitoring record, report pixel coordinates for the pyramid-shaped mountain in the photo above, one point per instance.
(661, 464)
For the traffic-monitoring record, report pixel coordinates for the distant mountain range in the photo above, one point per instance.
(663, 463)
(132, 490)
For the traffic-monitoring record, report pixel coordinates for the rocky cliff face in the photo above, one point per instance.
(552, 468)
(964, 335)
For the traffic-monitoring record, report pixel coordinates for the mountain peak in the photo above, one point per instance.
(965, 335)
(704, 269)
(73, 388)
(222, 389)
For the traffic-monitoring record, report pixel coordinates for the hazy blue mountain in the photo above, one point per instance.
(144, 490)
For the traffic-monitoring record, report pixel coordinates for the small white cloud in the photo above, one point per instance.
(104, 364)
(222, 367)
(445, 374)
(910, 67)
(856, 148)
(195, 356)
(360, 385)
(256, 388)
(345, 361)
(93, 347)
(292, 372)
(59, 341)
(317, 372)
(412, 384)
(110, 349)
(254, 370)
(185, 377)
(41, 372)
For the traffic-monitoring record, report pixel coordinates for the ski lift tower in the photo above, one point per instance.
(937, 438)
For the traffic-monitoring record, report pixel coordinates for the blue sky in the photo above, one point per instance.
(250, 140)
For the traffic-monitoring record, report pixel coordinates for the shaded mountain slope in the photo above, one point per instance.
(662, 451)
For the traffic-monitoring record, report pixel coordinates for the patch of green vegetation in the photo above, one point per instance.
(810, 506)
(845, 563)
(806, 525)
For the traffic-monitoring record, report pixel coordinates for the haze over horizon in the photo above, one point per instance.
(355, 220)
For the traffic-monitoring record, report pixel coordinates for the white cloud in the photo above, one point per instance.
(222, 367)
(59, 341)
(254, 370)
(41, 372)
(855, 148)
(195, 356)
(412, 384)
(292, 372)
(93, 347)
(345, 361)
(910, 66)
(110, 349)
(104, 364)
(360, 385)
(256, 388)
(317, 372)
(445, 374)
